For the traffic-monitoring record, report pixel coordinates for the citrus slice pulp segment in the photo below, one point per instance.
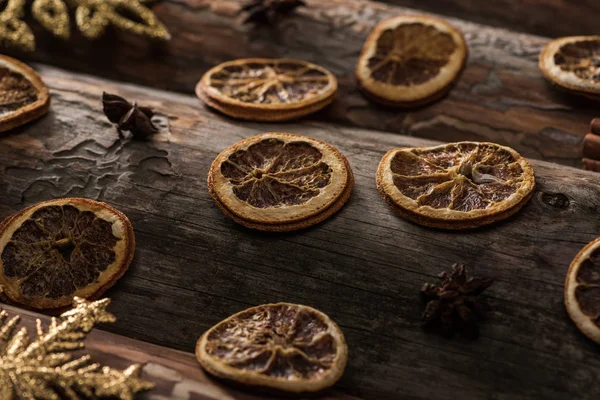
(410, 60)
(580, 58)
(279, 178)
(23, 95)
(456, 182)
(15, 91)
(254, 86)
(282, 346)
(56, 250)
(582, 290)
(573, 63)
(410, 54)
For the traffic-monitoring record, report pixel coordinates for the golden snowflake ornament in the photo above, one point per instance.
(92, 17)
(43, 368)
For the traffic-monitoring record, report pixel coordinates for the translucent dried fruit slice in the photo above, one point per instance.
(267, 89)
(23, 95)
(282, 346)
(59, 249)
(456, 185)
(280, 181)
(582, 290)
(411, 60)
(573, 63)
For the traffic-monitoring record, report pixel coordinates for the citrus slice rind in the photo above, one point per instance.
(411, 60)
(582, 290)
(573, 63)
(23, 95)
(457, 185)
(280, 180)
(267, 89)
(59, 249)
(283, 346)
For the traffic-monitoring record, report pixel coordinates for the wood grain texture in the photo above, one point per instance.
(552, 18)
(175, 374)
(501, 97)
(363, 267)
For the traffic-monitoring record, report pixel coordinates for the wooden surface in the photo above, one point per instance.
(502, 96)
(551, 18)
(175, 374)
(364, 267)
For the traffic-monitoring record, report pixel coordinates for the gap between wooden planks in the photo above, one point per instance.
(363, 267)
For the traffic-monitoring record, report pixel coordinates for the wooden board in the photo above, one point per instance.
(502, 96)
(175, 374)
(364, 267)
(551, 18)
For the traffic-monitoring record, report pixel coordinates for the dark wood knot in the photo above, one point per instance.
(556, 200)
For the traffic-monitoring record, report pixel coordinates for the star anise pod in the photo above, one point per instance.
(454, 304)
(128, 116)
(269, 11)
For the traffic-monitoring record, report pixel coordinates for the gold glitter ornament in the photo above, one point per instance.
(44, 368)
(53, 15)
(13, 31)
(91, 16)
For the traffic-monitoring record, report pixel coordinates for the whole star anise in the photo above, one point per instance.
(454, 304)
(269, 11)
(128, 116)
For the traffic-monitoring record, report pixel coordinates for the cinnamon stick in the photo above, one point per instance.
(595, 126)
(591, 165)
(591, 146)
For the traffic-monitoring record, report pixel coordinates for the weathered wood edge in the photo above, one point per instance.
(502, 97)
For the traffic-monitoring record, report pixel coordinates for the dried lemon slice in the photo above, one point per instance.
(59, 249)
(267, 89)
(457, 185)
(573, 63)
(582, 290)
(280, 181)
(411, 60)
(23, 95)
(282, 346)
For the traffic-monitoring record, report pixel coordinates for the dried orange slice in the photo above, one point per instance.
(582, 290)
(59, 249)
(261, 89)
(457, 185)
(23, 95)
(287, 347)
(411, 60)
(280, 181)
(573, 63)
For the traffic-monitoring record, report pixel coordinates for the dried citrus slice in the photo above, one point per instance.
(411, 60)
(457, 185)
(280, 181)
(23, 95)
(267, 89)
(282, 346)
(59, 249)
(582, 290)
(573, 63)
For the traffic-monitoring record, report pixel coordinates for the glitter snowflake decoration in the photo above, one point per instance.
(43, 368)
(91, 16)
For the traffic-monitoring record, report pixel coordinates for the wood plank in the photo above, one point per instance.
(175, 374)
(551, 18)
(364, 267)
(502, 96)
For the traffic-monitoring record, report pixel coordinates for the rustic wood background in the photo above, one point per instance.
(502, 96)
(365, 266)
